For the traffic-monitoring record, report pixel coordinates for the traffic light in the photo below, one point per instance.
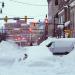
(34, 24)
(17, 38)
(30, 30)
(1, 11)
(5, 18)
(2, 4)
(46, 21)
(25, 19)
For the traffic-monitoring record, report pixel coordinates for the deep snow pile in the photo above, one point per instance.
(58, 40)
(9, 53)
(37, 54)
(40, 61)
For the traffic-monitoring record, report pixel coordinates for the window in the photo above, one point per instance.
(56, 2)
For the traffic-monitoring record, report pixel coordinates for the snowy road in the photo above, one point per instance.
(40, 61)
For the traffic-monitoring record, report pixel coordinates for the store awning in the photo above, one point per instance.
(67, 23)
(60, 26)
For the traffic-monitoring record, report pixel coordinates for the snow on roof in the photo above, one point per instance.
(44, 43)
(60, 26)
(66, 6)
(67, 23)
(58, 40)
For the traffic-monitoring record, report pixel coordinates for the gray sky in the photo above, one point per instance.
(20, 8)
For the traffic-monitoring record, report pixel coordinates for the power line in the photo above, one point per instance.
(28, 3)
(31, 3)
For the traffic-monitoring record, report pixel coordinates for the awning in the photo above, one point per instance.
(67, 23)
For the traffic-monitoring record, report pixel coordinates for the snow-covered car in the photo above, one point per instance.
(61, 46)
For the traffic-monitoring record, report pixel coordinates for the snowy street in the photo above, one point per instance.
(37, 37)
(39, 61)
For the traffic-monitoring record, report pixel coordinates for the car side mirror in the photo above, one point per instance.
(49, 45)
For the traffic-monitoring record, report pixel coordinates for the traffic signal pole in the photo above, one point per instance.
(15, 18)
(46, 30)
(46, 27)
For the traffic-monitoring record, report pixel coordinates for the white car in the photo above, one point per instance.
(61, 46)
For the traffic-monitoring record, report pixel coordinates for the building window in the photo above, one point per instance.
(61, 19)
(56, 2)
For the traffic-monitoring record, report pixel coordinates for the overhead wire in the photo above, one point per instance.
(31, 3)
(28, 3)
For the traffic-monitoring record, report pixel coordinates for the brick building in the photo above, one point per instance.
(72, 16)
(61, 14)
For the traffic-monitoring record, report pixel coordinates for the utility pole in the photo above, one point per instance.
(54, 28)
(46, 27)
(2, 6)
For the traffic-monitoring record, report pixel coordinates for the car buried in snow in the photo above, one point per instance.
(61, 46)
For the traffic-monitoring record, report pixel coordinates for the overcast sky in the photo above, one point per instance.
(19, 8)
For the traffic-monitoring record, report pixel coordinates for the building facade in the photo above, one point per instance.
(72, 16)
(18, 32)
(63, 17)
(52, 10)
(24, 34)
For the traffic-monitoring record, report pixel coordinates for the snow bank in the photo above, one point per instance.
(36, 54)
(58, 41)
(70, 58)
(9, 52)
(40, 61)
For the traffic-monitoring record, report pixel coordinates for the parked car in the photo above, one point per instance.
(61, 46)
